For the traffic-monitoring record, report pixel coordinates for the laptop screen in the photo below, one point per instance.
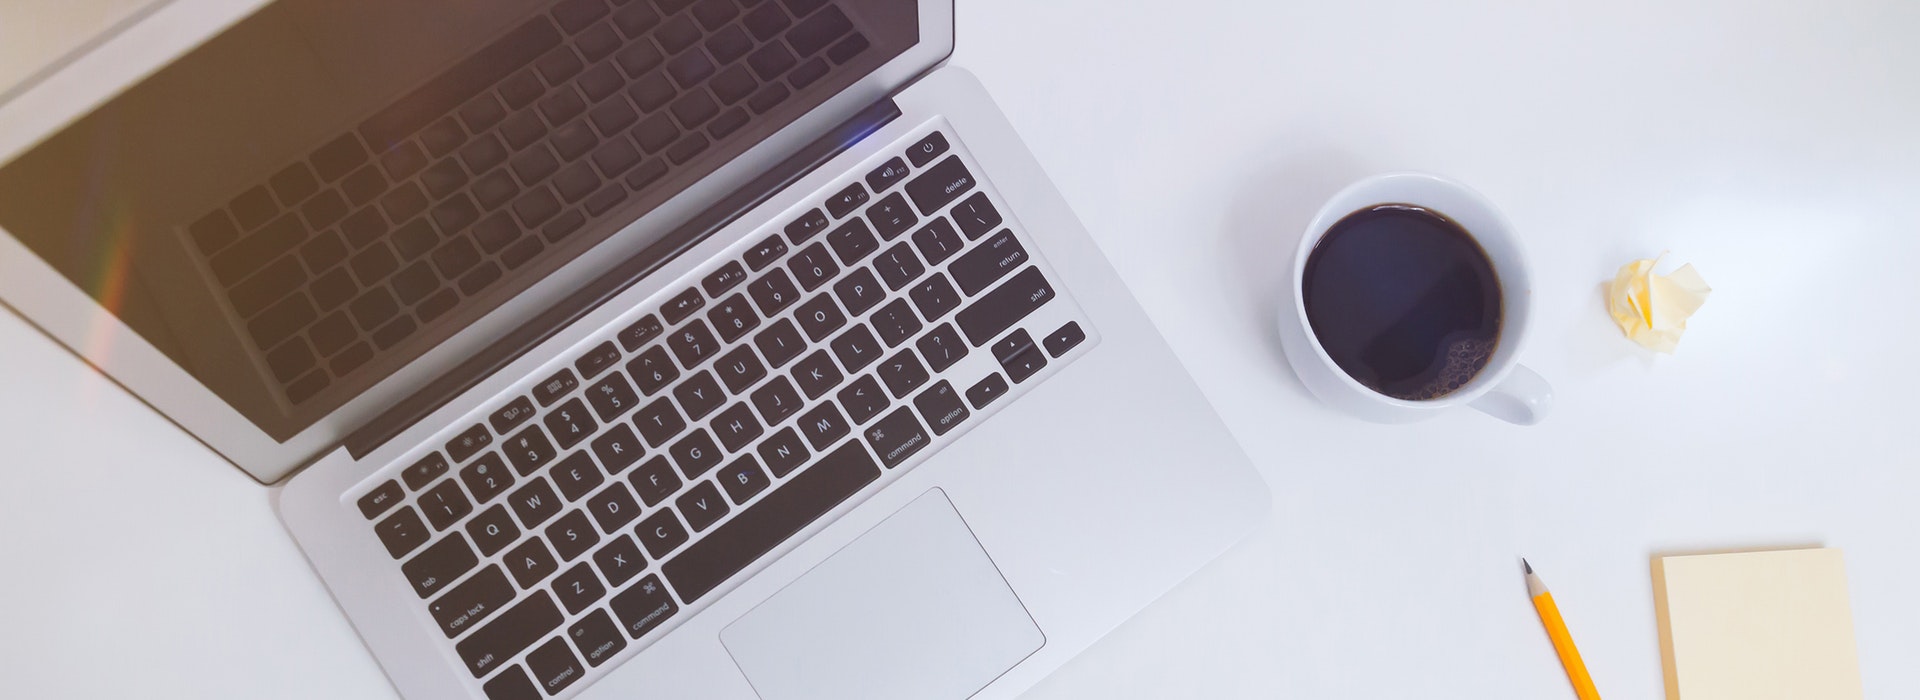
(315, 197)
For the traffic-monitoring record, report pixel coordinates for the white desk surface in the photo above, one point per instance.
(1773, 144)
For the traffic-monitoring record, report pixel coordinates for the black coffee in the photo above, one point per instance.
(1404, 300)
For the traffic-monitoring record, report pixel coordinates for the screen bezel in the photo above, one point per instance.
(62, 310)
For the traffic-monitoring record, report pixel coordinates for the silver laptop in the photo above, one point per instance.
(626, 348)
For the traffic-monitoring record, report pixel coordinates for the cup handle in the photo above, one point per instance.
(1523, 398)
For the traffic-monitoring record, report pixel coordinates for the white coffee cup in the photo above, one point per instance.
(1503, 389)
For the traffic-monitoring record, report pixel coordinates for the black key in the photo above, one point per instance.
(733, 317)
(939, 185)
(641, 332)
(986, 391)
(743, 479)
(682, 305)
(695, 454)
(859, 291)
(652, 370)
(820, 317)
(937, 241)
(733, 85)
(935, 297)
(534, 503)
(766, 22)
(784, 452)
(895, 323)
(816, 32)
(290, 360)
(903, 373)
(572, 535)
(511, 684)
(891, 216)
(702, 506)
(402, 532)
(736, 427)
(699, 395)
(941, 407)
(659, 421)
(686, 148)
(1024, 364)
(863, 399)
(693, 344)
(1015, 343)
(492, 530)
(213, 232)
(727, 123)
(927, 149)
(380, 499)
(636, 19)
(1064, 339)
(554, 666)
(472, 601)
(332, 333)
(575, 15)
(281, 320)
(465, 79)
(268, 285)
(897, 437)
(564, 104)
(689, 68)
(765, 253)
(615, 157)
(677, 34)
(857, 347)
(853, 242)
(338, 157)
(779, 343)
(714, 13)
(597, 637)
(807, 226)
(899, 266)
(333, 288)
(485, 152)
(522, 130)
(739, 369)
(617, 448)
(516, 628)
(885, 176)
(771, 60)
(776, 400)
(570, 423)
(731, 547)
(847, 49)
(253, 208)
(729, 44)
(987, 263)
(471, 284)
(644, 606)
(612, 397)
(487, 477)
(597, 360)
(999, 309)
(660, 533)
(719, 281)
(620, 560)
(439, 565)
(655, 481)
(773, 291)
(373, 308)
(430, 467)
(976, 215)
(942, 347)
(444, 178)
(530, 563)
(613, 507)
(258, 248)
(576, 475)
(511, 415)
(556, 386)
(817, 374)
(445, 505)
(694, 108)
(823, 425)
(845, 201)
(658, 131)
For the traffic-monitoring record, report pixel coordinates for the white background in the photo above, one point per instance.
(1772, 144)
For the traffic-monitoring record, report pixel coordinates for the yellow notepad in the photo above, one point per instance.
(1756, 626)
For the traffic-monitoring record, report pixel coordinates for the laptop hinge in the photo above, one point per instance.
(630, 271)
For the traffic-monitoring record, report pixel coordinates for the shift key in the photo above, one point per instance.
(998, 310)
(512, 632)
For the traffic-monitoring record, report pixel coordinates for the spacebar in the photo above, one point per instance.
(755, 531)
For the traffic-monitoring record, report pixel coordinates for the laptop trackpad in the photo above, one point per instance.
(911, 609)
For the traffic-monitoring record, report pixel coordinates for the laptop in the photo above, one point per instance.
(626, 348)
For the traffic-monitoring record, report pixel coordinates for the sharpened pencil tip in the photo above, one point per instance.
(1525, 565)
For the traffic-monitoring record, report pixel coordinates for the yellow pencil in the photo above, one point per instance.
(1557, 631)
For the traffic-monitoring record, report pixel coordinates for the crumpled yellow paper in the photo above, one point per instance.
(1653, 309)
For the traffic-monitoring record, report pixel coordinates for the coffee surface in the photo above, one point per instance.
(1404, 301)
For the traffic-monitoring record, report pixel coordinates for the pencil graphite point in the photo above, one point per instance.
(1525, 565)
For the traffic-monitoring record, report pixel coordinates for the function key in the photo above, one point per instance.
(682, 305)
(845, 201)
(807, 226)
(641, 332)
(597, 360)
(380, 499)
(765, 252)
(1062, 340)
(556, 386)
(723, 279)
(468, 443)
(431, 466)
(887, 174)
(511, 415)
(927, 149)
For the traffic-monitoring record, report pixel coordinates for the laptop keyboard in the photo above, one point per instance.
(580, 513)
(436, 198)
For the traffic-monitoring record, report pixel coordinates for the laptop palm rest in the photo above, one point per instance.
(914, 608)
